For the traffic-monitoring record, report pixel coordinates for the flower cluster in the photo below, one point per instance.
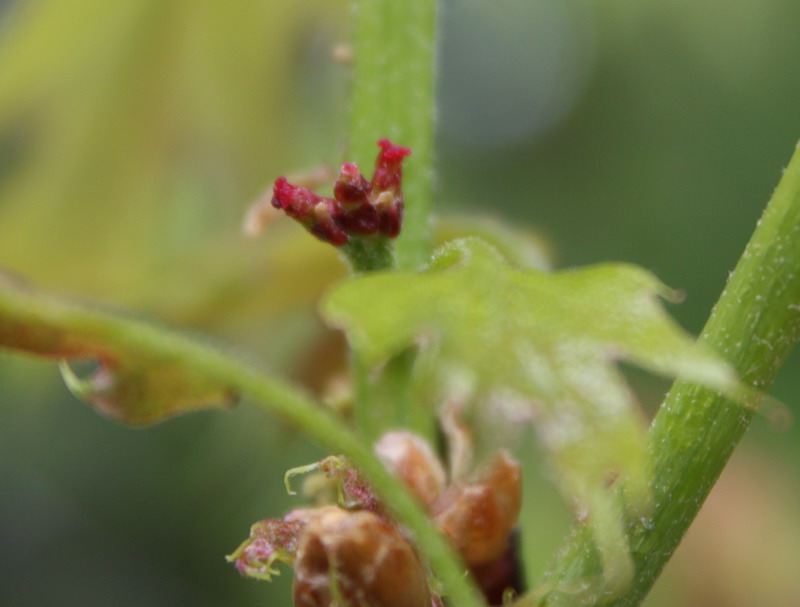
(354, 554)
(358, 206)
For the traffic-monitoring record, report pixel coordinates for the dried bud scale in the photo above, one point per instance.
(354, 555)
(362, 558)
(358, 207)
(478, 517)
(412, 460)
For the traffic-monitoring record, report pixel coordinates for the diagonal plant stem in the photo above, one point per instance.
(754, 325)
(175, 373)
(280, 398)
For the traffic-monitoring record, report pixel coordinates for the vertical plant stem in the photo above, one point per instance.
(369, 254)
(393, 84)
(389, 400)
(754, 325)
(393, 96)
(393, 76)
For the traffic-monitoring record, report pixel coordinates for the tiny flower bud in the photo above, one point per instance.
(390, 213)
(262, 212)
(351, 188)
(358, 559)
(356, 490)
(386, 186)
(296, 201)
(410, 459)
(271, 541)
(389, 166)
(319, 215)
(325, 227)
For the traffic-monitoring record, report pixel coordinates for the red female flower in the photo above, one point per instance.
(358, 207)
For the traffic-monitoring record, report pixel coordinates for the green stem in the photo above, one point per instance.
(755, 325)
(369, 254)
(393, 75)
(389, 402)
(154, 373)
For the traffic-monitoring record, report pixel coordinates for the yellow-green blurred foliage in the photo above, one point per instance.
(134, 134)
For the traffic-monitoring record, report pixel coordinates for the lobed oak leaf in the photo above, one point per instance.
(528, 344)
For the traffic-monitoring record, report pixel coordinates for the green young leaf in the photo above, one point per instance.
(521, 247)
(541, 345)
(134, 382)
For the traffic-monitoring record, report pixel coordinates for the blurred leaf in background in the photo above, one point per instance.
(133, 135)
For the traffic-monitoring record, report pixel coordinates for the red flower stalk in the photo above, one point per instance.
(359, 207)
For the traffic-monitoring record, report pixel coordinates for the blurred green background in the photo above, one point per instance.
(133, 136)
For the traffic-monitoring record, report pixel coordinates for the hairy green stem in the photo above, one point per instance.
(371, 254)
(393, 83)
(393, 76)
(389, 399)
(754, 325)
